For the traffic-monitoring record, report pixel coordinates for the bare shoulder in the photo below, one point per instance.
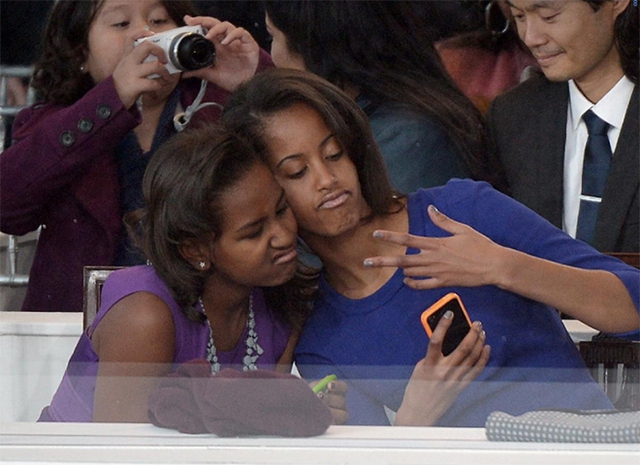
(141, 325)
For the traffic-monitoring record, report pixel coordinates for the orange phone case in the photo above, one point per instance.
(452, 296)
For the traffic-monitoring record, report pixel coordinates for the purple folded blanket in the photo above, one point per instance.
(237, 403)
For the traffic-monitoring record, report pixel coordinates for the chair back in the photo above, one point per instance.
(94, 278)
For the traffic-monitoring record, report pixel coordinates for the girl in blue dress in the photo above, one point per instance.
(387, 257)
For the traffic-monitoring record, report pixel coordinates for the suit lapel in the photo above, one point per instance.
(549, 149)
(623, 181)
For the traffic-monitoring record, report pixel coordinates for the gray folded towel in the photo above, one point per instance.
(587, 426)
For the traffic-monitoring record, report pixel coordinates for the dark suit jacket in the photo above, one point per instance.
(528, 128)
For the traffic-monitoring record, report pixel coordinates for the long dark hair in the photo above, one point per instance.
(627, 37)
(57, 76)
(385, 49)
(278, 89)
(182, 187)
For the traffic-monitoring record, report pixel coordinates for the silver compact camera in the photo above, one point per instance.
(186, 48)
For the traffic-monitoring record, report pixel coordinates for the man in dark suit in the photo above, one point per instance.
(588, 52)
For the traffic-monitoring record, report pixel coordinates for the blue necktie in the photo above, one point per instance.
(597, 161)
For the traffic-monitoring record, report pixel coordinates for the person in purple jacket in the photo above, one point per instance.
(387, 257)
(78, 155)
(224, 284)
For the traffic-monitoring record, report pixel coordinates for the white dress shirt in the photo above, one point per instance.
(610, 108)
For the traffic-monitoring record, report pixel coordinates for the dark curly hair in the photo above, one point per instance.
(57, 77)
(182, 187)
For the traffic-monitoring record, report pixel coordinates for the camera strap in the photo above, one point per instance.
(181, 120)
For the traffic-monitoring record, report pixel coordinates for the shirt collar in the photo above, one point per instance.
(607, 108)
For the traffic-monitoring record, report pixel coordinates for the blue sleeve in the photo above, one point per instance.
(511, 224)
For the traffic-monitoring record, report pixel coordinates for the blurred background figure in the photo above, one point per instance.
(483, 54)
(382, 54)
(21, 27)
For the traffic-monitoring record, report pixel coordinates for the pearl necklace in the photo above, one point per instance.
(253, 348)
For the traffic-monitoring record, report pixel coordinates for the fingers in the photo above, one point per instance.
(469, 348)
(403, 239)
(476, 369)
(335, 397)
(204, 21)
(338, 387)
(130, 39)
(334, 394)
(420, 242)
(397, 261)
(471, 356)
(139, 54)
(434, 350)
(340, 417)
(423, 284)
(239, 34)
(468, 353)
(478, 344)
(444, 222)
(218, 29)
(333, 400)
(466, 374)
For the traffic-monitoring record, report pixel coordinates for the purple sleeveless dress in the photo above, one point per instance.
(73, 401)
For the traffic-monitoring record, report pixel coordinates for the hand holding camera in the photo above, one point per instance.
(186, 49)
(237, 53)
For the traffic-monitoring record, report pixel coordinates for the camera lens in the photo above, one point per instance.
(192, 51)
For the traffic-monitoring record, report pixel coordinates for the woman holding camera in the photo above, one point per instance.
(106, 104)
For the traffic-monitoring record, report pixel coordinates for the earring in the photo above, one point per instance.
(202, 265)
(492, 17)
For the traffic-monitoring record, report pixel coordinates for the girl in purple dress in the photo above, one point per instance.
(224, 284)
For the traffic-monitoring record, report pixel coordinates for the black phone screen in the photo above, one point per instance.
(459, 327)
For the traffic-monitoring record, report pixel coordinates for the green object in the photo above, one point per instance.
(323, 383)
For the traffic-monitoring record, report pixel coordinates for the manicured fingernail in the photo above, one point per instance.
(434, 209)
(478, 325)
(368, 262)
(448, 314)
(483, 335)
(377, 234)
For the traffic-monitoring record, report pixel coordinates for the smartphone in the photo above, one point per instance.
(460, 325)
